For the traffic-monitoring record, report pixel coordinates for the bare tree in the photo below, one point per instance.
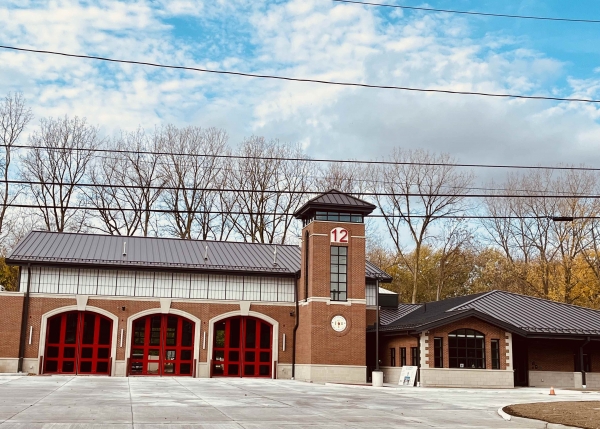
(453, 237)
(269, 189)
(60, 154)
(192, 174)
(128, 183)
(415, 191)
(351, 178)
(573, 236)
(524, 228)
(14, 117)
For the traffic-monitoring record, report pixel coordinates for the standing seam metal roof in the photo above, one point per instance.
(524, 313)
(335, 200)
(150, 252)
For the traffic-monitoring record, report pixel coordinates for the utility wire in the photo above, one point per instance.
(293, 79)
(318, 160)
(265, 192)
(240, 213)
(463, 12)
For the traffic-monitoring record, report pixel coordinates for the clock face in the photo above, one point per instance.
(338, 323)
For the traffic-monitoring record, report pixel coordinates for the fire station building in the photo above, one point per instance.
(140, 306)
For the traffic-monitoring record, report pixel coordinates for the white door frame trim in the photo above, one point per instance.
(158, 312)
(56, 311)
(273, 322)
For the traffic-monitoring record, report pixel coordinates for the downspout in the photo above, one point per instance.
(24, 319)
(297, 317)
(583, 380)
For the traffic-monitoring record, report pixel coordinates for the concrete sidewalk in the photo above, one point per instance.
(59, 402)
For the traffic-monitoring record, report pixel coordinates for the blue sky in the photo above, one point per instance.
(326, 40)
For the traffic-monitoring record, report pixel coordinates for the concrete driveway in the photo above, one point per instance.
(58, 402)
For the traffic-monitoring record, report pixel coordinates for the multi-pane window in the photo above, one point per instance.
(495, 354)
(402, 356)
(438, 352)
(393, 356)
(339, 273)
(166, 284)
(466, 349)
(335, 217)
(414, 356)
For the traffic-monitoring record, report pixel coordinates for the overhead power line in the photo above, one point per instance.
(271, 213)
(318, 160)
(305, 80)
(464, 12)
(515, 194)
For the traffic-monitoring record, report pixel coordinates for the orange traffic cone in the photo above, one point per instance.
(552, 391)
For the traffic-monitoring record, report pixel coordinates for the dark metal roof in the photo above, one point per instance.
(43, 247)
(430, 311)
(535, 314)
(390, 315)
(373, 272)
(524, 314)
(334, 200)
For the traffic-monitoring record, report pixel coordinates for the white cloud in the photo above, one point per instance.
(303, 38)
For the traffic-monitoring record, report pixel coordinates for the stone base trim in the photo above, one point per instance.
(563, 379)
(202, 370)
(9, 365)
(284, 371)
(330, 373)
(458, 377)
(391, 374)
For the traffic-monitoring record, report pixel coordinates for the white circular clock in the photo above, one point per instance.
(338, 323)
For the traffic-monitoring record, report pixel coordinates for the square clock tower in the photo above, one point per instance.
(331, 336)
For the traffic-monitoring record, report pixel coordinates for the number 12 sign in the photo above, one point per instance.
(339, 235)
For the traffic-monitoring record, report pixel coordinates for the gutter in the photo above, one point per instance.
(24, 319)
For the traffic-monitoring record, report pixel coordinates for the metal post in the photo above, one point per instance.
(377, 376)
(377, 326)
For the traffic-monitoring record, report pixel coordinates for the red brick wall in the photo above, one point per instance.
(490, 332)
(10, 327)
(9, 337)
(559, 355)
(396, 342)
(319, 259)
(371, 317)
(317, 342)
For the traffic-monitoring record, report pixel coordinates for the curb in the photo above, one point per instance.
(504, 415)
(532, 422)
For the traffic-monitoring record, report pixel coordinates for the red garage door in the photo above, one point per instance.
(162, 345)
(242, 348)
(78, 342)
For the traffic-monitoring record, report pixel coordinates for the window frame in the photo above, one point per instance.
(471, 349)
(438, 352)
(414, 356)
(495, 352)
(392, 356)
(338, 290)
(402, 356)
